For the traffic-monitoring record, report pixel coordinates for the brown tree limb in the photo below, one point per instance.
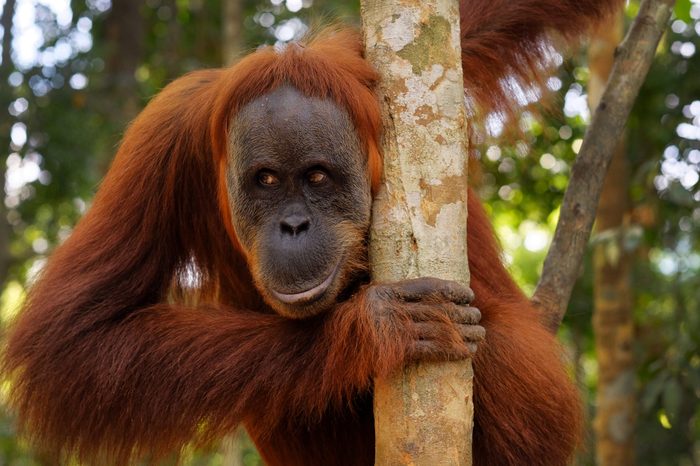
(632, 63)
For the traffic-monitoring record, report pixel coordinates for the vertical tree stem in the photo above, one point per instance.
(613, 325)
(423, 416)
(6, 20)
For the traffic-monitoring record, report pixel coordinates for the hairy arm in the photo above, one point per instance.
(150, 382)
(527, 407)
(146, 384)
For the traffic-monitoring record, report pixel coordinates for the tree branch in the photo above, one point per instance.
(632, 63)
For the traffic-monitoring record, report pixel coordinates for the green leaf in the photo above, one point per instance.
(653, 391)
(612, 253)
(680, 195)
(682, 10)
(672, 398)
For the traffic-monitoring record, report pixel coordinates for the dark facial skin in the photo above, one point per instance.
(300, 198)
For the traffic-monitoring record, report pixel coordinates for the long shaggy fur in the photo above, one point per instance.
(107, 367)
(507, 45)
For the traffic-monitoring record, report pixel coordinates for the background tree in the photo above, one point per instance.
(613, 325)
(5, 69)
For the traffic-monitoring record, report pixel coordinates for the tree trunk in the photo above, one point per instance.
(232, 448)
(612, 315)
(124, 34)
(232, 27)
(6, 67)
(172, 48)
(423, 415)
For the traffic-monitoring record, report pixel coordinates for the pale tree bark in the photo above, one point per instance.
(613, 326)
(232, 448)
(423, 415)
(632, 62)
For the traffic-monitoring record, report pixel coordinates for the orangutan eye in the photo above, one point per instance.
(266, 178)
(316, 177)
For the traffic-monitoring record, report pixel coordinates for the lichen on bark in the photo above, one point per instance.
(423, 416)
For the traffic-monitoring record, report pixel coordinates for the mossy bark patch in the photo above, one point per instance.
(422, 53)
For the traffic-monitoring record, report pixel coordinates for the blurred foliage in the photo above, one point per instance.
(64, 107)
(523, 185)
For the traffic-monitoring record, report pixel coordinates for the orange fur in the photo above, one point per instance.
(105, 369)
(513, 39)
